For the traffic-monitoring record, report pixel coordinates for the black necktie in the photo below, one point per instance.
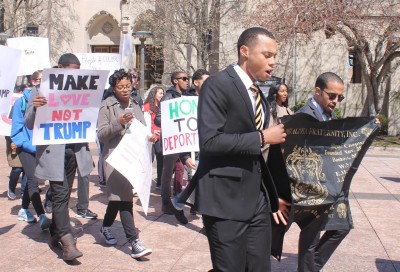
(258, 116)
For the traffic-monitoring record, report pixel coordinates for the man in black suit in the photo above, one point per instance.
(314, 251)
(235, 192)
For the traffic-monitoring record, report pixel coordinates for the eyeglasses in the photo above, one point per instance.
(183, 78)
(37, 79)
(332, 96)
(121, 87)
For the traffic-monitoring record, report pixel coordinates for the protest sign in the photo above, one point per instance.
(73, 100)
(9, 65)
(100, 61)
(132, 158)
(179, 125)
(35, 53)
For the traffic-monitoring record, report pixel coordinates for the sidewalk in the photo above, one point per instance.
(374, 244)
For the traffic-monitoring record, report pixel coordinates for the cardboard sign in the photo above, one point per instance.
(179, 125)
(35, 53)
(9, 65)
(100, 61)
(73, 100)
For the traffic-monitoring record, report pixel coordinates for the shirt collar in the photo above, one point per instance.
(320, 110)
(243, 76)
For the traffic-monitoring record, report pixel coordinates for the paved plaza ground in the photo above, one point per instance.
(374, 244)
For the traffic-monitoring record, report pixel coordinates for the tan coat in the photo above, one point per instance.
(110, 133)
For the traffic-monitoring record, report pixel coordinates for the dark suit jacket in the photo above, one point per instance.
(231, 167)
(310, 109)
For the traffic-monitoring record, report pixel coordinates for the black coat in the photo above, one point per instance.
(231, 169)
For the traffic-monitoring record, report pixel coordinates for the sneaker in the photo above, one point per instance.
(44, 222)
(108, 236)
(102, 183)
(138, 249)
(180, 216)
(88, 214)
(11, 195)
(47, 206)
(25, 215)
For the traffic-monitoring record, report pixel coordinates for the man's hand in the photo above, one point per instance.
(39, 101)
(190, 163)
(275, 134)
(282, 215)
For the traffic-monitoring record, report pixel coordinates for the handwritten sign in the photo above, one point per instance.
(73, 100)
(9, 65)
(35, 53)
(134, 153)
(100, 61)
(179, 125)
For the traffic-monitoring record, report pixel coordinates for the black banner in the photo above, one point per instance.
(321, 159)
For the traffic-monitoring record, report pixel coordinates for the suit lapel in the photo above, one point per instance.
(316, 112)
(241, 89)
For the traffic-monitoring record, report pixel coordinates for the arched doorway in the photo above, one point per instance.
(103, 32)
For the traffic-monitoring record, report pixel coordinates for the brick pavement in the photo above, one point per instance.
(372, 246)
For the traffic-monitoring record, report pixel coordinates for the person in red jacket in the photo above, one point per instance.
(151, 105)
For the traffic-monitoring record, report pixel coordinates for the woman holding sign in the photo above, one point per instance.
(116, 113)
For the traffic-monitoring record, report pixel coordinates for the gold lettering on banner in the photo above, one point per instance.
(306, 165)
(341, 210)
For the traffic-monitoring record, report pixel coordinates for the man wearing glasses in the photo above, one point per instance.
(180, 82)
(315, 251)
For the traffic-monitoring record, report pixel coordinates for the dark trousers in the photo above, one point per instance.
(314, 252)
(83, 192)
(14, 177)
(60, 193)
(31, 192)
(167, 172)
(241, 245)
(157, 152)
(125, 209)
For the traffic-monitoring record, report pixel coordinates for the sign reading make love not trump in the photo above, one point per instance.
(179, 125)
(73, 100)
(9, 65)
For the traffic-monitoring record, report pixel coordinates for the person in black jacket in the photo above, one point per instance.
(180, 82)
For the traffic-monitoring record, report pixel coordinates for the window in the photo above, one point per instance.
(354, 67)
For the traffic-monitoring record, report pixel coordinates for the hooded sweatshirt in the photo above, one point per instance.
(20, 134)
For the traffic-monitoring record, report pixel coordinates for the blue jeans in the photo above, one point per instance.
(14, 177)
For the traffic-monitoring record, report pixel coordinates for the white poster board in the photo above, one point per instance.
(132, 158)
(179, 125)
(35, 53)
(100, 61)
(9, 65)
(73, 101)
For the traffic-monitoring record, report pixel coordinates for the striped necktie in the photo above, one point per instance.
(258, 115)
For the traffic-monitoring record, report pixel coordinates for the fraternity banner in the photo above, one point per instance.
(35, 53)
(73, 101)
(100, 61)
(179, 125)
(321, 159)
(132, 158)
(9, 65)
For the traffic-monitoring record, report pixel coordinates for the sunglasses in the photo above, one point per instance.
(332, 96)
(183, 78)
